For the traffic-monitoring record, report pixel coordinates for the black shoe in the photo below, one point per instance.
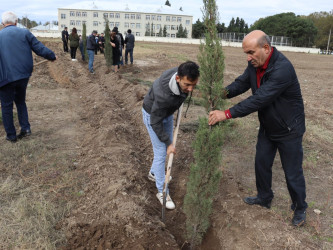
(299, 218)
(257, 201)
(24, 133)
(13, 140)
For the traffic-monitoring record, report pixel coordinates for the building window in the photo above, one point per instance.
(137, 33)
(63, 26)
(173, 27)
(147, 17)
(132, 16)
(111, 25)
(158, 26)
(78, 13)
(117, 15)
(84, 14)
(138, 16)
(173, 35)
(126, 16)
(159, 18)
(138, 25)
(154, 26)
(167, 18)
(111, 15)
(187, 22)
(95, 23)
(168, 35)
(63, 16)
(117, 24)
(105, 15)
(174, 19)
(152, 17)
(72, 13)
(78, 31)
(126, 25)
(72, 22)
(95, 14)
(78, 23)
(168, 27)
(84, 22)
(132, 25)
(179, 19)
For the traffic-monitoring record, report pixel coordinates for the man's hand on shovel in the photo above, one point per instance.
(171, 149)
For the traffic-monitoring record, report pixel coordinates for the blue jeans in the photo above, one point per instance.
(91, 55)
(130, 51)
(10, 93)
(159, 148)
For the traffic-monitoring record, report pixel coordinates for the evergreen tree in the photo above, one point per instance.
(167, 3)
(198, 29)
(152, 29)
(84, 40)
(108, 47)
(180, 32)
(160, 32)
(205, 174)
(165, 31)
(147, 33)
(185, 34)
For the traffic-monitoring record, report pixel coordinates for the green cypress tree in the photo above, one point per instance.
(180, 32)
(108, 47)
(84, 41)
(147, 33)
(160, 32)
(204, 173)
(165, 31)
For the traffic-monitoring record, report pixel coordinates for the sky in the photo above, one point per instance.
(250, 11)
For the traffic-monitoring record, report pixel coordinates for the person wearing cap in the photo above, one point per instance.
(91, 45)
(129, 41)
(276, 96)
(16, 65)
(64, 38)
(166, 95)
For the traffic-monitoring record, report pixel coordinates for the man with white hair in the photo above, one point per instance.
(16, 66)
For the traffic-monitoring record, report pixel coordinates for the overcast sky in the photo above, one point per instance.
(250, 11)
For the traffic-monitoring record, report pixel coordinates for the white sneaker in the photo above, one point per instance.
(73, 60)
(151, 177)
(169, 203)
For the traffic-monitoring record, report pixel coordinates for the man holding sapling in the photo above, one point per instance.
(166, 95)
(276, 95)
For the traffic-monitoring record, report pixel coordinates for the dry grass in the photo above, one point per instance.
(35, 192)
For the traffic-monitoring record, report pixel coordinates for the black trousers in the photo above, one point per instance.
(73, 52)
(291, 154)
(65, 46)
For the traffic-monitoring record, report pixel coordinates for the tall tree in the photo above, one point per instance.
(323, 21)
(204, 173)
(180, 32)
(198, 29)
(84, 40)
(108, 47)
(147, 33)
(165, 31)
(160, 32)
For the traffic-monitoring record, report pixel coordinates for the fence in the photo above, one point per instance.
(238, 38)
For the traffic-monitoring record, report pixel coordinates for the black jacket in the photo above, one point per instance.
(91, 42)
(161, 101)
(129, 41)
(278, 101)
(64, 35)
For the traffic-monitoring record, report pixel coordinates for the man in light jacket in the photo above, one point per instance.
(16, 66)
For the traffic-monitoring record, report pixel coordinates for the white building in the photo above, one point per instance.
(119, 14)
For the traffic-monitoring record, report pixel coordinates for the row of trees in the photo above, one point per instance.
(150, 31)
(31, 23)
(305, 31)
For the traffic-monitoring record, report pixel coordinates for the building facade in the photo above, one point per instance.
(141, 23)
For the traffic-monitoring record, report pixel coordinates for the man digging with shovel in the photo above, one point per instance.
(166, 95)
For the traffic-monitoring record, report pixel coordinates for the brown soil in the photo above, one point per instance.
(98, 119)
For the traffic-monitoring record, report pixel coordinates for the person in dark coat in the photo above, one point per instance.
(121, 44)
(91, 45)
(276, 96)
(129, 41)
(64, 38)
(74, 43)
(115, 51)
(16, 66)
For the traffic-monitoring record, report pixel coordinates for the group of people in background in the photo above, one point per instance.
(96, 42)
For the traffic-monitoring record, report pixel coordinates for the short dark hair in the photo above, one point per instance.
(190, 70)
(94, 32)
(129, 31)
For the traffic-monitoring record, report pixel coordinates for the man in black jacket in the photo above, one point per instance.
(91, 45)
(166, 95)
(276, 95)
(64, 38)
(129, 41)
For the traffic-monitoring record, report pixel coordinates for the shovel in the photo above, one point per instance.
(170, 159)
